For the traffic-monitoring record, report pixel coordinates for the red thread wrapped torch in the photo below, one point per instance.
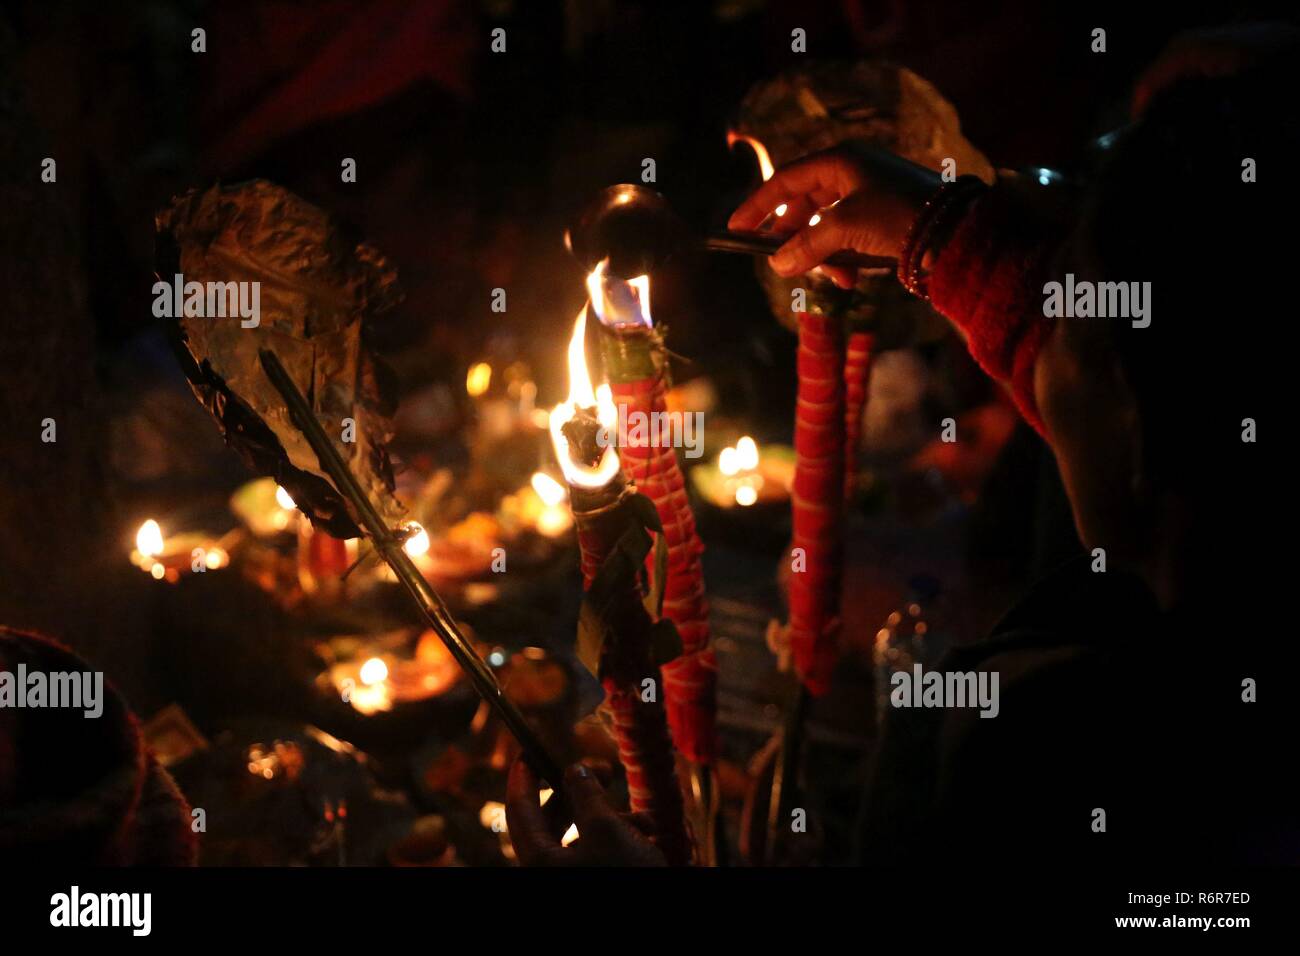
(610, 521)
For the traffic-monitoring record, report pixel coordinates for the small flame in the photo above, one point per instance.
(764, 160)
(548, 489)
(373, 671)
(619, 303)
(478, 379)
(747, 453)
(582, 395)
(746, 495)
(418, 543)
(149, 539)
(727, 463)
(284, 499)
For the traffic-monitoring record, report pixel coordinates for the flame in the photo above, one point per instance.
(582, 395)
(764, 160)
(619, 302)
(149, 539)
(548, 489)
(478, 379)
(746, 453)
(746, 495)
(373, 671)
(284, 499)
(727, 463)
(418, 543)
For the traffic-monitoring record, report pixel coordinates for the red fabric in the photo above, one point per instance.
(857, 374)
(279, 66)
(640, 727)
(988, 279)
(690, 681)
(817, 499)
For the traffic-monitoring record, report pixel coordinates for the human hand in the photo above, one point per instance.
(867, 200)
(606, 837)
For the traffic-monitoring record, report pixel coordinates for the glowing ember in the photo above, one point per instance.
(619, 303)
(149, 539)
(582, 395)
(548, 489)
(373, 671)
(478, 379)
(284, 499)
(418, 543)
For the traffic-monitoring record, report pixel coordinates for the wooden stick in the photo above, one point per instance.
(430, 604)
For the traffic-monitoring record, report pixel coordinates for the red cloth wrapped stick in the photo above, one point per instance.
(690, 681)
(857, 373)
(817, 500)
(645, 747)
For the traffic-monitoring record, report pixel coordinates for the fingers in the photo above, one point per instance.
(819, 180)
(864, 222)
(524, 817)
(842, 276)
(591, 809)
(809, 247)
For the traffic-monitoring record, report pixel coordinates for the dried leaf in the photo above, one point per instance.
(318, 288)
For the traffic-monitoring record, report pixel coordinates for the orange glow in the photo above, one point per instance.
(582, 395)
(764, 161)
(149, 539)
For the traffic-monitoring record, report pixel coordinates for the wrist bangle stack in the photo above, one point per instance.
(936, 218)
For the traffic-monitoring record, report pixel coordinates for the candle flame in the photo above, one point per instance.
(149, 539)
(582, 395)
(284, 499)
(619, 303)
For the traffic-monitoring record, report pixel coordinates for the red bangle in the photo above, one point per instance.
(935, 217)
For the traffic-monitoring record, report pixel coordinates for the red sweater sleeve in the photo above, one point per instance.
(988, 280)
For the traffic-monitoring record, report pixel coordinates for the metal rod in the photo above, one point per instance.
(764, 244)
(430, 604)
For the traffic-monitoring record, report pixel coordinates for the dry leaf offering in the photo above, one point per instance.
(251, 266)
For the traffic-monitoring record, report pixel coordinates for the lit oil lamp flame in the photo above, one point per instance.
(149, 539)
(418, 541)
(284, 499)
(373, 671)
(478, 379)
(582, 395)
(548, 489)
(747, 453)
(619, 303)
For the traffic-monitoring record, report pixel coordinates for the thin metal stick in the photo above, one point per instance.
(432, 606)
(764, 244)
